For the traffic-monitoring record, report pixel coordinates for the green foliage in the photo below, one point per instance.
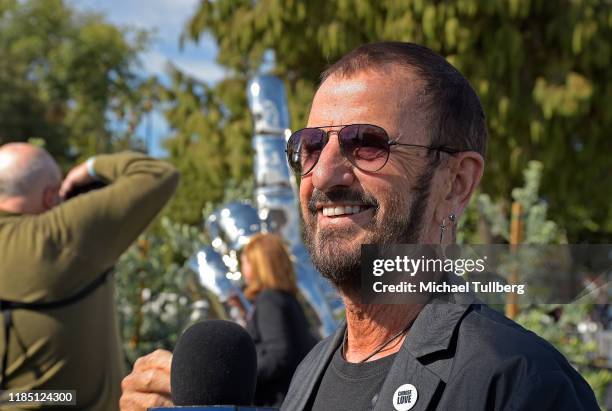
(487, 221)
(211, 142)
(156, 293)
(542, 71)
(65, 75)
(538, 230)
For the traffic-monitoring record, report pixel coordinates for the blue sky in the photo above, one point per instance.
(166, 18)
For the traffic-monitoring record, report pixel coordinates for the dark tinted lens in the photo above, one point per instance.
(365, 146)
(304, 148)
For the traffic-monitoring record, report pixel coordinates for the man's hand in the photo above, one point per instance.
(77, 177)
(149, 383)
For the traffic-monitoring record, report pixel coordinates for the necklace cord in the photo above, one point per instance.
(379, 348)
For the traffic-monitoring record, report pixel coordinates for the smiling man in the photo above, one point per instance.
(393, 150)
(387, 176)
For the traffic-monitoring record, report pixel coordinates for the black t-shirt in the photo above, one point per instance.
(351, 387)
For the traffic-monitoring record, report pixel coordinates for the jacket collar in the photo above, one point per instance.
(4, 213)
(435, 325)
(432, 332)
(416, 363)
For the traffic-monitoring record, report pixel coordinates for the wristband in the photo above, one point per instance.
(90, 168)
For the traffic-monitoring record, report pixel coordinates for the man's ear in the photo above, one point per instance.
(465, 172)
(50, 197)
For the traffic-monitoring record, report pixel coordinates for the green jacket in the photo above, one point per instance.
(50, 256)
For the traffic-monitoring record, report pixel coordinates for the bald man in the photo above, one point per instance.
(29, 179)
(58, 328)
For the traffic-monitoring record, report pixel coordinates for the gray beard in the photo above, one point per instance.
(343, 267)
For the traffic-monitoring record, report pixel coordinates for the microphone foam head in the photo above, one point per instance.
(214, 363)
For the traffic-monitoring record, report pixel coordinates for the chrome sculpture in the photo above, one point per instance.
(231, 226)
(275, 191)
(213, 274)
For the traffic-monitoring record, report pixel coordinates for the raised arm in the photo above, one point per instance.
(87, 234)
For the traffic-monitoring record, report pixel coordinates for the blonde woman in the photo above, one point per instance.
(277, 323)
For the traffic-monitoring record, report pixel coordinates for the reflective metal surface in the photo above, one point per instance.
(276, 192)
(231, 226)
(214, 275)
(268, 104)
(275, 189)
(212, 272)
(278, 210)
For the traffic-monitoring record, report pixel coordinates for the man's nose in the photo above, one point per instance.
(332, 169)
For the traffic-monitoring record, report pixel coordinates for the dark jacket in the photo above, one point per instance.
(282, 339)
(463, 356)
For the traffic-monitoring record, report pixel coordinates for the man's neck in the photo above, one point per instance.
(370, 326)
(13, 205)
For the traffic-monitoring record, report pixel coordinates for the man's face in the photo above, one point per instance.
(344, 207)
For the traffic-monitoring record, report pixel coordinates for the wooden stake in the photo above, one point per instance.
(516, 238)
(143, 246)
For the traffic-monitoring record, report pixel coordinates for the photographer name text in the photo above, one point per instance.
(446, 287)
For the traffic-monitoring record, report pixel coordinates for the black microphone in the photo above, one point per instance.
(214, 363)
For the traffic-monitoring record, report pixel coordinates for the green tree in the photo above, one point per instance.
(69, 79)
(211, 141)
(542, 69)
(156, 292)
(488, 222)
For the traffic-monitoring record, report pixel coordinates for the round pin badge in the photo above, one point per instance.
(405, 397)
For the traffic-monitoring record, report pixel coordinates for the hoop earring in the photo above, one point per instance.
(452, 217)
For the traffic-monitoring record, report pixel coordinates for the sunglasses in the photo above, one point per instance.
(365, 146)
